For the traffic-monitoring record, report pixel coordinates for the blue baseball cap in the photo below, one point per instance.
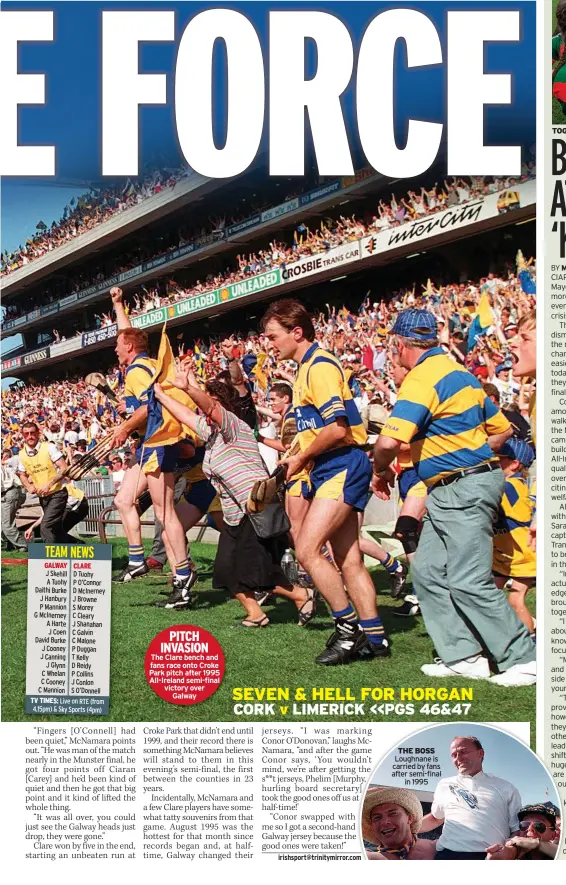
(547, 809)
(518, 450)
(414, 323)
(505, 366)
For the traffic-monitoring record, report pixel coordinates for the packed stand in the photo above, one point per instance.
(329, 234)
(86, 212)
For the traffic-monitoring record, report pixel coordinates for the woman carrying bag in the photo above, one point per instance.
(248, 557)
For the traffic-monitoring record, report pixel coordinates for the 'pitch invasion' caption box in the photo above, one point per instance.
(68, 629)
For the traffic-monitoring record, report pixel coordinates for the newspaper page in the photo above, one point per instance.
(269, 439)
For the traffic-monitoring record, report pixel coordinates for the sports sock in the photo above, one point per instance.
(391, 564)
(135, 554)
(182, 569)
(327, 554)
(373, 628)
(346, 614)
(304, 577)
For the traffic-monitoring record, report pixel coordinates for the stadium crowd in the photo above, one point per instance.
(243, 390)
(85, 212)
(357, 338)
(329, 233)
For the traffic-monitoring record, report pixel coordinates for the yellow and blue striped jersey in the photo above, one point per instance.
(443, 412)
(162, 428)
(138, 376)
(321, 395)
(512, 554)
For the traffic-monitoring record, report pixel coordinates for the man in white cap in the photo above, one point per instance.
(391, 819)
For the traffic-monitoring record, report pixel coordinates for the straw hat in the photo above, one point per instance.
(397, 796)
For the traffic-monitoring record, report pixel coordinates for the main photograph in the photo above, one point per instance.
(301, 410)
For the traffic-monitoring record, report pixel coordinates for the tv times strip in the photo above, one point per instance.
(68, 629)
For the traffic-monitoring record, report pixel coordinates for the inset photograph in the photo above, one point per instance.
(460, 792)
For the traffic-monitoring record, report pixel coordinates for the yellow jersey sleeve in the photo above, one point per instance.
(138, 379)
(415, 406)
(325, 382)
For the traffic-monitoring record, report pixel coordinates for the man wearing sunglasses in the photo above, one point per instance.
(537, 839)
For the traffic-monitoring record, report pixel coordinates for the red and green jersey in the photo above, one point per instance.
(559, 80)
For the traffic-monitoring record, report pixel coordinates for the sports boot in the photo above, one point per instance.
(344, 644)
(131, 572)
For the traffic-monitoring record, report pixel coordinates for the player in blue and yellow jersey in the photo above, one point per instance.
(197, 499)
(330, 432)
(513, 556)
(298, 493)
(157, 461)
(454, 431)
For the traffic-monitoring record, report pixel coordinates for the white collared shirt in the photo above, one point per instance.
(478, 811)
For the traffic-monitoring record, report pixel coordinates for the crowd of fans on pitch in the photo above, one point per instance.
(328, 234)
(74, 415)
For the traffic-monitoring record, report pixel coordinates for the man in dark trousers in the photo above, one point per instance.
(39, 464)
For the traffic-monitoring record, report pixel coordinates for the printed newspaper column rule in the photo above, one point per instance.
(68, 629)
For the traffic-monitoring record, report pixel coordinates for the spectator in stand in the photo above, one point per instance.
(87, 211)
(521, 427)
(117, 471)
(71, 433)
